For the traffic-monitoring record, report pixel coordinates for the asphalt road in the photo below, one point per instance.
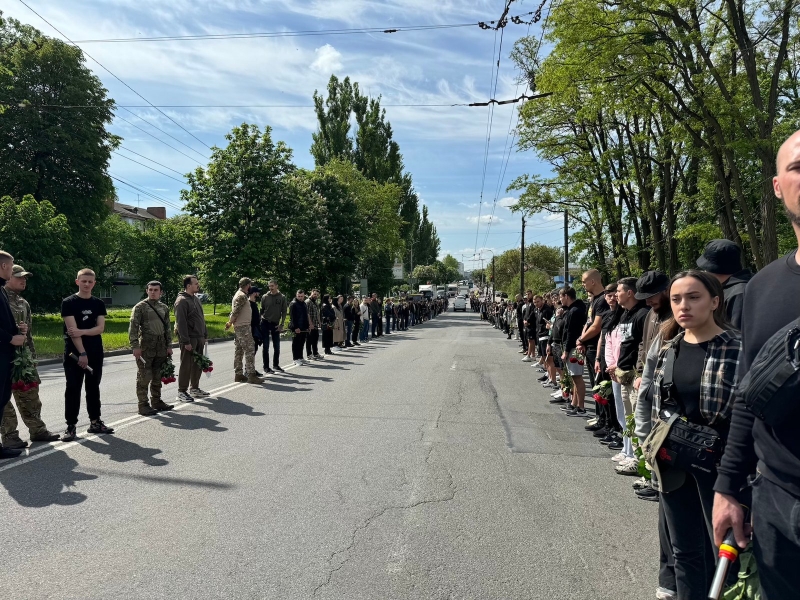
(427, 464)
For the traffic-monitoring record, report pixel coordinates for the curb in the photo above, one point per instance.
(122, 352)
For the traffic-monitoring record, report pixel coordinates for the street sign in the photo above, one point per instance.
(397, 271)
(364, 290)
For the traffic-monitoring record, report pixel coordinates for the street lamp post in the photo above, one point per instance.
(481, 259)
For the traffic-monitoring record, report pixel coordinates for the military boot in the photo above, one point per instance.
(160, 405)
(253, 378)
(14, 443)
(44, 436)
(146, 411)
(240, 377)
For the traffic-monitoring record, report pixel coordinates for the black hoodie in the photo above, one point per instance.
(734, 296)
(631, 330)
(574, 320)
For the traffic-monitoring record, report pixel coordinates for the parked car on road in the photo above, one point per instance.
(460, 303)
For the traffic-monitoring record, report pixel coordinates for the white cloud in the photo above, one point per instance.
(507, 202)
(485, 219)
(328, 60)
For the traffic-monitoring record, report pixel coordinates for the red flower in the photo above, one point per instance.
(664, 455)
(572, 359)
(580, 362)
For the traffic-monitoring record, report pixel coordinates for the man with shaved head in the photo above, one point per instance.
(771, 302)
(592, 282)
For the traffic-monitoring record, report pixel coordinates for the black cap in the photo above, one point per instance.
(650, 284)
(254, 290)
(723, 257)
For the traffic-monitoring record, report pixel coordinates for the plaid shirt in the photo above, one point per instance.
(313, 313)
(719, 375)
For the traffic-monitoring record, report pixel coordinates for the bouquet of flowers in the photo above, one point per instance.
(23, 371)
(577, 357)
(603, 393)
(168, 372)
(203, 362)
(575, 363)
(566, 383)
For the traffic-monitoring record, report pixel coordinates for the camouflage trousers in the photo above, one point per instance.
(148, 375)
(244, 347)
(30, 409)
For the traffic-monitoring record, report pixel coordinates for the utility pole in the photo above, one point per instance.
(566, 248)
(522, 261)
(494, 283)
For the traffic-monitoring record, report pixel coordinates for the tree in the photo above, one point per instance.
(39, 239)
(244, 207)
(451, 263)
(55, 154)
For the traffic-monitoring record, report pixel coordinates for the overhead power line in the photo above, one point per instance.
(157, 139)
(113, 75)
(145, 192)
(151, 168)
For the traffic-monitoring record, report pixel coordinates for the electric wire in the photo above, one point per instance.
(157, 139)
(164, 132)
(145, 192)
(151, 160)
(151, 168)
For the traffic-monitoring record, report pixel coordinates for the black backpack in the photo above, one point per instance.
(771, 388)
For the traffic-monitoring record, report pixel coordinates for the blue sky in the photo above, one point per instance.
(443, 147)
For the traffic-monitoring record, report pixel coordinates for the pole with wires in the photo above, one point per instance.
(522, 261)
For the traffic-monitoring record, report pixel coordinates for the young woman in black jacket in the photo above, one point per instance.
(328, 318)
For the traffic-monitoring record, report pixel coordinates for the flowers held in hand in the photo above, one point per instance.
(577, 357)
(23, 371)
(203, 362)
(603, 393)
(168, 372)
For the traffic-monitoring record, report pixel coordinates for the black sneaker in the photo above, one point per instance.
(277, 369)
(268, 371)
(611, 437)
(568, 407)
(544, 377)
(578, 412)
(601, 433)
(615, 445)
(70, 434)
(647, 493)
(596, 427)
(99, 427)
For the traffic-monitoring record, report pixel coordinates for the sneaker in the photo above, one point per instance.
(640, 483)
(184, 397)
(45, 436)
(522, 351)
(318, 357)
(596, 426)
(557, 397)
(527, 358)
(618, 457)
(9, 453)
(578, 412)
(268, 371)
(600, 433)
(99, 427)
(628, 467)
(592, 421)
(647, 493)
(298, 363)
(616, 445)
(665, 594)
(544, 377)
(277, 369)
(15, 444)
(610, 437)
(198, 393)
(568, 407)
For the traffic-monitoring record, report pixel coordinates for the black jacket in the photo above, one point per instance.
(543, 316)
(328, 314)
(298, 315)
(8, 324)
(574, 320)
(631, 329)
(734, 296)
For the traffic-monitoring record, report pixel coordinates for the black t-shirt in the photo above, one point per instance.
(85, 311)
(686, 376)
(598, 307)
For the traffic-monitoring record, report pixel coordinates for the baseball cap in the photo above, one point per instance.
(650, 284)
(254, 290)
(722, 257)
(18, 271)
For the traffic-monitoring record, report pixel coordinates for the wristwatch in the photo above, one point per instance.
(82, 354)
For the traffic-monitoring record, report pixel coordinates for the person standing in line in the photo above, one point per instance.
(365, 320)
(768, 451)
(520, 306)
(723, 259)
(244, 350)
(574, 320)
(388, 310)
(374, 314)
(338, 324)
(592, 282)
(255, 323)
(12, 336)
(356, 320)
(328, 319)
(150, 336)
(190, 322)
(28, 403)
(84, 322)
(300, 324)
(273, 315)
(312, 341)
(349, 321)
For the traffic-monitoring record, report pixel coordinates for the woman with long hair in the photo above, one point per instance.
(328, 319)
(693, 385)
(338, 324)
(356, 307)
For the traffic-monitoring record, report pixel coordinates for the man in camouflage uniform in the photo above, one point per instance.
(150, 335)
(28, 403)
(244, 346)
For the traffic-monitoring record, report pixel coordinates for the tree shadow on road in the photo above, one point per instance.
(44, 483)
(226, 406)
(120, 450)
(186, 422)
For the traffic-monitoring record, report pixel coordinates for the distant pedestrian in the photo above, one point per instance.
(315, 320)
(338, 324)
(254, 295)
(274, 307)
(328, 316)
(244, 351)
(365, 319)
(299, 323)
(84, 322)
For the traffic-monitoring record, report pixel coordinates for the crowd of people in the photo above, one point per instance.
(257, 320)
(695, 381)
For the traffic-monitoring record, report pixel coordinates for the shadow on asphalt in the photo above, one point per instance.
(49, 485)
(226, 406)
(120, 450)
(284, 388)
(186, 422)
(295, 375)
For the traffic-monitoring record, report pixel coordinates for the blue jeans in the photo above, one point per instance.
(348, 326)
(375, 320)
(363, 333)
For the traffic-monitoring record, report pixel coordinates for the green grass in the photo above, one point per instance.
(49, 341)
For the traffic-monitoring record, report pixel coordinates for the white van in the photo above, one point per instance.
(460, 303)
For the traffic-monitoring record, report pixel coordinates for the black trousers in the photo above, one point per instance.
(5, 381)
(776, 526)
(298, 343)
(356, 329)
(312, 343)
(269, 332)
(591, 357)
(78, 378)
(327, 340)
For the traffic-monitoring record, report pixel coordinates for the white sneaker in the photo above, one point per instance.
(618, 458)
(298, 363)
(520, 351)
(526, 358)
(184, 397)
(198, 393)
(629, 466)
(665, 594)
(557, 394)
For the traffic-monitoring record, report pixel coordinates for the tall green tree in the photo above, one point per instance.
(55, 154)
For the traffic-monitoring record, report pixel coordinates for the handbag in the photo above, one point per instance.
(694, 448)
